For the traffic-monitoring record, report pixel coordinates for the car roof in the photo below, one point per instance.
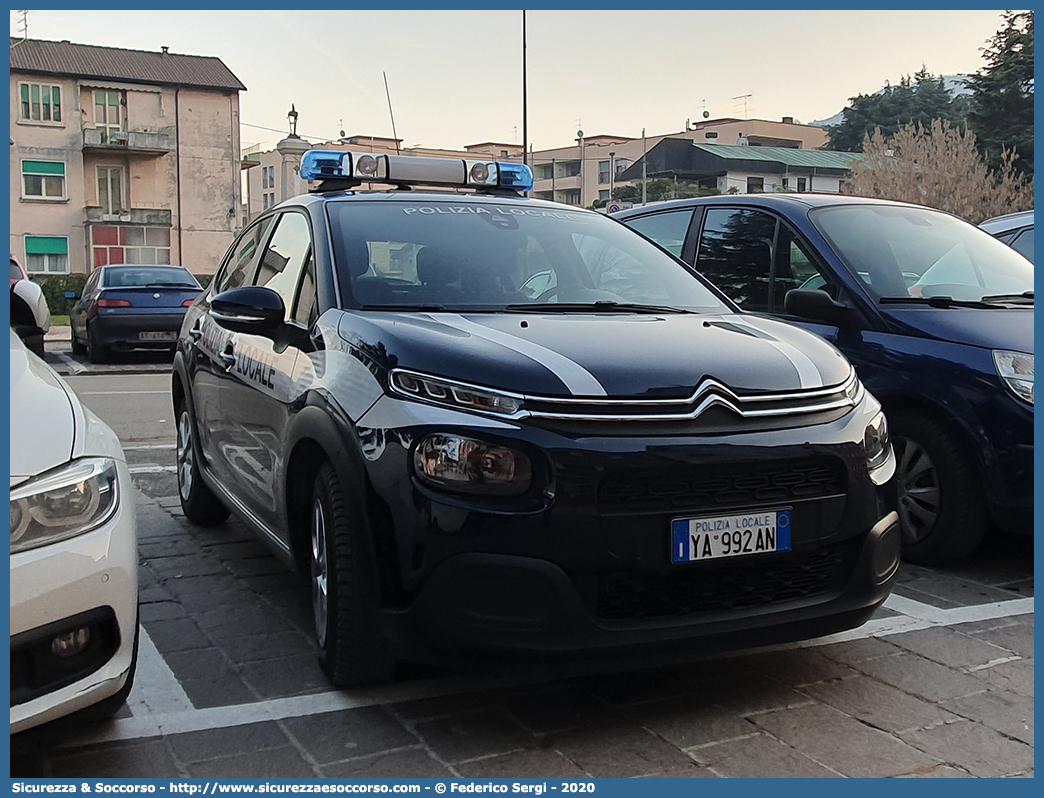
(779, 201)
(142, 266)
(398, 195)
(1009, 221)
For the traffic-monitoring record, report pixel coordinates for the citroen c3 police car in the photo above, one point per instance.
(483, 424)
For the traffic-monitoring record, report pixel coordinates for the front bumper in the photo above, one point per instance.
(582, 564)
(501, 604)
(91, 580)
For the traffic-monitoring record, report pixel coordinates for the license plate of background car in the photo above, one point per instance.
(157, 336)
(712, 537)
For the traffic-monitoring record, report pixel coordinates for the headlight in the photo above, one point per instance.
(467, 465)
(63, 503)
(1016, 369)
(453, 394)
(875, 442)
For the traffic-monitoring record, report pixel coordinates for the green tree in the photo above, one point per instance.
(1001, 112)
(916, 100)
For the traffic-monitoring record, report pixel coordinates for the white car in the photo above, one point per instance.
(74, 558)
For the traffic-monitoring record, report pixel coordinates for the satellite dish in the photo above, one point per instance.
(579, 134)
(342, 134)
(706, 114)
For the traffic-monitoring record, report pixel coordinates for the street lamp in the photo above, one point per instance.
(612, 173)
(580, 135)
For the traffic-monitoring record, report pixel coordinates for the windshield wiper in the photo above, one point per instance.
(406, 307)
(935, 301)
(1025, 298)
(600, 306)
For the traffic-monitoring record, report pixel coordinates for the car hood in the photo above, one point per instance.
(990, 328)
(598, 354)
(43, 427)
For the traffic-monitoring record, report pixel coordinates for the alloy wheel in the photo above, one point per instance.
(185, 455)
(917, 482)
(320, 598)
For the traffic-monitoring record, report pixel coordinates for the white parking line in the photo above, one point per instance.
(74, 366)
(176, 721)
(138, 447)
(156, 689)
(151, 469)
(116, 393)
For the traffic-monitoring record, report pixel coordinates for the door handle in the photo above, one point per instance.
(228, 357)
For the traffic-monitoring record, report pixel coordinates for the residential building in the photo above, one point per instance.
(588, 171)
(278, 179)
(745, 169)
(121, 156)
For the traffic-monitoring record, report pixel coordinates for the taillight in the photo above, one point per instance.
(187, 303)
(114, 303)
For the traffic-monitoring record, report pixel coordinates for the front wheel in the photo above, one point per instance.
(198, 502)
(350, 650)
(942, 511)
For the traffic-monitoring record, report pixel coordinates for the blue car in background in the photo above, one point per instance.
(131, 306)
(935, 314)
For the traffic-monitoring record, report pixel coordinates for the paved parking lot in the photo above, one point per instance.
(938, 684)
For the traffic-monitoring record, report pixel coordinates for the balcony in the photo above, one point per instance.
(146, 217)
(132, 142)
(559, 183)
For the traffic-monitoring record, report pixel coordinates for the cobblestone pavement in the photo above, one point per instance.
(938, 684)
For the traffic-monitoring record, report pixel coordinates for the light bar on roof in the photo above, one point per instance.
(411, 170)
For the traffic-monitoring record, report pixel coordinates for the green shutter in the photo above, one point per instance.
(43, 167)
(46, 245)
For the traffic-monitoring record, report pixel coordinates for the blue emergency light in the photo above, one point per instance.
(367, 167)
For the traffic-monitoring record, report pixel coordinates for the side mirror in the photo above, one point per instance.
(248, 309)
(815, 305)
(71, 295)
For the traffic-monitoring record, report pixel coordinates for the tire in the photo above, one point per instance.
(350, 651)
(108, 707)
(77, 347)
(942, 509)
(198, 502)
(96, 351)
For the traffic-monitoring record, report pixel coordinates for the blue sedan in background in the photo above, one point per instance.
(130, 307)
(935, 314)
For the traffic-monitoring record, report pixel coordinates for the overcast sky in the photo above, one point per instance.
(455, 77)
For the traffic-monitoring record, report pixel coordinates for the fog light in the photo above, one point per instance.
(71, 643)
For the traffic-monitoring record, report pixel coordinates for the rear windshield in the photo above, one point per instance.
(148, 276)
(917, 252)
(485, 256)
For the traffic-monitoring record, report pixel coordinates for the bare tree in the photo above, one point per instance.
(939, 167)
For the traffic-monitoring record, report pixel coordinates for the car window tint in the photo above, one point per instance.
(140, 276)
(1024, 243)
(667, 229)
(285, 256)
(237, 271)
(306, 309)
(795, 268)
(736, 254)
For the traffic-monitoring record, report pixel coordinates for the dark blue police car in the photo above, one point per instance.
(936, 315)
(485, 424)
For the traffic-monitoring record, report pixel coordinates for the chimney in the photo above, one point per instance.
(788, 120)
(164, 50)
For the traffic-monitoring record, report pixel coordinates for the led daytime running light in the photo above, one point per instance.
(451, 394)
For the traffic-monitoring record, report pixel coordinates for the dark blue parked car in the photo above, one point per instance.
(936, 315)
(131, 306)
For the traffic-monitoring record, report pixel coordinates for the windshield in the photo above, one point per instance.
(141, 276)
(446, 255)
(916, 252)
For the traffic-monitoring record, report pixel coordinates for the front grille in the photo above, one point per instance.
(712, 486)
(718, 587)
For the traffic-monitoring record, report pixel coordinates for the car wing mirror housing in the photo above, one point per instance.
(815, 305)
(249, 309)
(71, 295)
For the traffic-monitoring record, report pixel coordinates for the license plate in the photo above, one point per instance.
(711, 537)
(157, 336)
